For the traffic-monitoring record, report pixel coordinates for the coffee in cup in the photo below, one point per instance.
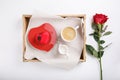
(68, 34)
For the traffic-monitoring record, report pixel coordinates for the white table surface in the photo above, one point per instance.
(11, 65)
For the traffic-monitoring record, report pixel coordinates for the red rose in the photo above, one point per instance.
(100, 18)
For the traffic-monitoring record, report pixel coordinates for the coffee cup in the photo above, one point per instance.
(69, 33)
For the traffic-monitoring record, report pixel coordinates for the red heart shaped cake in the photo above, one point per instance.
(42, 37)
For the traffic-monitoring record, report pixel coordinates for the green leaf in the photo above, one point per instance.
(96, 36)
(102, 41)
(95, 53)
(94, 26)
(102, 31)
(107, 33)
(91, 34)
(101, 48)
(91, 50)
(100, 54)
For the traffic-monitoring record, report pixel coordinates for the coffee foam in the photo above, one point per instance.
(69, 33)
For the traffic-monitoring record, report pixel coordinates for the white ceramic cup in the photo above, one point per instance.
(69, 33)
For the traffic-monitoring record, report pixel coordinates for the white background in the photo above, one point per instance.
(11, 65)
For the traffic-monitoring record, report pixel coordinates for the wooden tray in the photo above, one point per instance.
(26, 19)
